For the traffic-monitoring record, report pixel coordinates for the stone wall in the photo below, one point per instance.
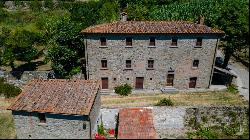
(231, 116)
(165, 58)
(95, 113)
(19, 78)
(174, 122)
(56, 126)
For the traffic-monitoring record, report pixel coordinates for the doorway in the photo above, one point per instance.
(139, 82)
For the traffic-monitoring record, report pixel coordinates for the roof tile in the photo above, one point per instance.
(136, 123)
(144, 27)
(59, 96)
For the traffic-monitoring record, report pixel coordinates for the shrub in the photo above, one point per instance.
(8, 90)
(165, 102)
(123, 90)
(232, 89)
(101, 129)
(206, 133)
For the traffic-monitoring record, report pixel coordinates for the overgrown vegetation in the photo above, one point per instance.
(8, 90)
(165, 102)
(55, 27)
(123, 90)
(232, 89)
(219, 132)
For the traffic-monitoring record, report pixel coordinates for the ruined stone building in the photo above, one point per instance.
(151, 54)
(57, 109)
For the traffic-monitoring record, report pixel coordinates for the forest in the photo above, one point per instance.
(36, 33)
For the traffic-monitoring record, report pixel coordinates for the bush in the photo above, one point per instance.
(165, 102)
(232, 89)
(123, 90)
(203, 133)
(101, 129)
(8, 90)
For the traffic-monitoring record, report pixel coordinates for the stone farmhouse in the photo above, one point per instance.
(151, 55)
(57, 109)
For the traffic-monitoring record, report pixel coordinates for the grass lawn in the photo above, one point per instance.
(179, 99)
(7, 128)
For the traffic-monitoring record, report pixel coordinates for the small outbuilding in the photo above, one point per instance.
(57, 108)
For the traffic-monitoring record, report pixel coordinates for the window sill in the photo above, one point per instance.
(151, 46)
(128, 69)
(149, 68)
(103, 68)
(197, 47)
(42, 124)
(128, 46)
(103, 46)
(173, 47)
(194, 68)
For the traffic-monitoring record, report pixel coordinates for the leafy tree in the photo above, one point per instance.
(65, 61)
(109, 11)
(35, 5)
(18, 45)
(49, 4)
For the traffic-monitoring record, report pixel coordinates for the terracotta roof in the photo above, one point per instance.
(59, 96)
(136, 123)
(144, 27)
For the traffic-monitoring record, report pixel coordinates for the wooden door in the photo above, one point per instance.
(192, 82)
(105, 83)
(139, 82)
(170, 80)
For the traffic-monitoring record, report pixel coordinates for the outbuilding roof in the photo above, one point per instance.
(58, 96)
(136, 123)
(152, 27)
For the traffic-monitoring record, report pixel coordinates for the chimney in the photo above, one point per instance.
(201, 20)
(123, 16)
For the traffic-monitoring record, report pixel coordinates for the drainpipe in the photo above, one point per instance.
(212, 70)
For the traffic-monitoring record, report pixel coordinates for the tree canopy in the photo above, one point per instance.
(56, 25)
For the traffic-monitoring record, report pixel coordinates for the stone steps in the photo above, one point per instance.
(169, 89)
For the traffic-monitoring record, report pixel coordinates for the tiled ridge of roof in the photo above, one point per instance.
(136, 123)
(145, 27)
(58, 96)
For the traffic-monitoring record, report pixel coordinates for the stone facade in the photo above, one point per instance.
(57, 126)
(166, 58)
(94, 115)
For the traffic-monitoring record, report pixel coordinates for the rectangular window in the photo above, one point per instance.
(103, 41)
(174, 42)
(196, 63)
(199, 42)
(128, 41)
(128, 63)
(152, 41)
(151, 64)
(41, 117)
(104, 63)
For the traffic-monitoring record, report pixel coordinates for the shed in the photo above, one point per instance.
(57, 108)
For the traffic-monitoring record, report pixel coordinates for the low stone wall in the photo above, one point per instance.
(231, 116)
(174, 122)
(19, 78)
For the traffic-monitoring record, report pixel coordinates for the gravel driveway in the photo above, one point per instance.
(242, 73)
